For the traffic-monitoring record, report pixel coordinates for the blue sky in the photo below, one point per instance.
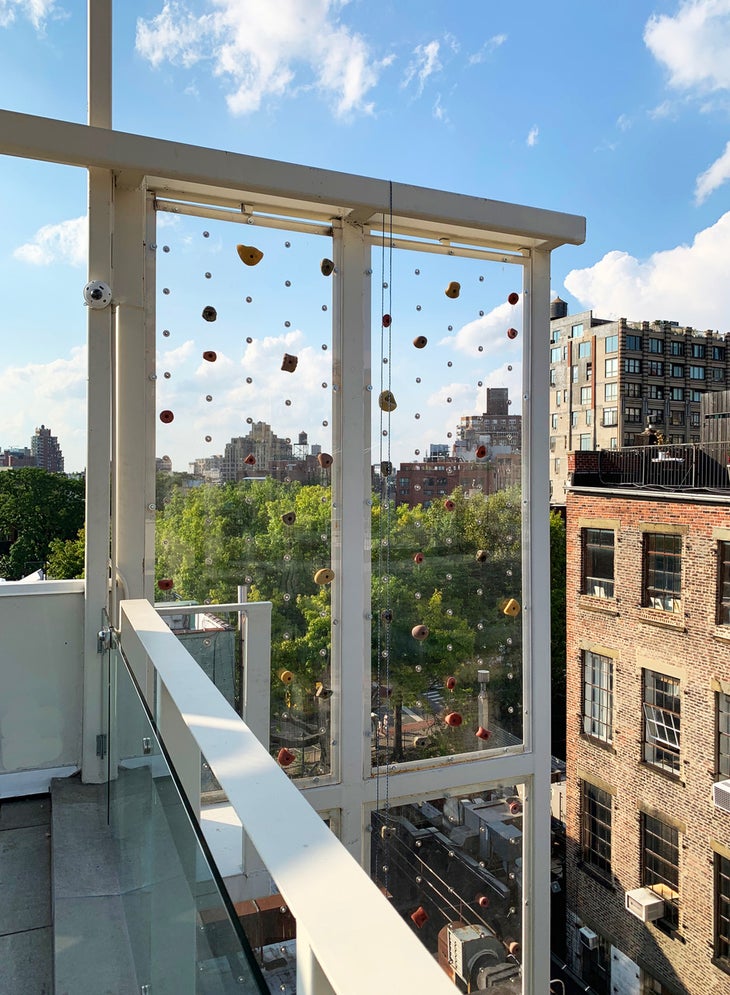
(618, 112)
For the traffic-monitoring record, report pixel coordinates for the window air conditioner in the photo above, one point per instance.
(721, 795)
(588, 939)
(645, 904)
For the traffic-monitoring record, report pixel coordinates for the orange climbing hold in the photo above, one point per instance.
(285, 757)
(449, 504)
(420, 342)
(481, 452)
(451, 683)
(250, 460)
(512, 333)
(418, 557)
(419, 917)
(482, 733)
(165, 583)
(453, 719)
(324, 460)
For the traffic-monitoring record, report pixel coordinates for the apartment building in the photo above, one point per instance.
(609, 380)
(648, 713)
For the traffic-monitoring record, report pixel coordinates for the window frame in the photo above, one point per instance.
(597, 696)
(596, 809)
(722, 616)
(721, 893)
(722, 731)
(661, 706)
(590, 577)
(660, 873)
(661, 565)
(611, 343)
(610, 366)
(632, 366)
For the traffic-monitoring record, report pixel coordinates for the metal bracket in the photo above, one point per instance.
(101, 741)
(103, 640)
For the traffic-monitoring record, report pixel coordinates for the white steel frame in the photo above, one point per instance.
(129, 176)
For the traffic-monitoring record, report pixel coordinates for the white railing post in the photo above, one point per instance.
(311, 979)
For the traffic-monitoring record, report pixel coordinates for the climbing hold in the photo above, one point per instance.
(482, 901)
(453, 290)
(324, 576)
(285, 757)
(481, 556)
(481, 452)
(513, 298)
(420, 632)
(327, 267)
(419, 917)
(166, 417)
(387, 401)
(386, 468)
(449, 504)
(165, 583)
(386, 615)
(250, 460)
(286, 676)
(249, 254)
(420, 342)
(322, 692)
(514, 947)
(209, 313)
(387, 321)
(515, 807)
(209, 356)
(450, 683)
(511, 608)
(418, 557)
(453, 719)
(289, 363)
(324, 460)
(512, 333)
(289, 517)
(387, 832)
(482, 733)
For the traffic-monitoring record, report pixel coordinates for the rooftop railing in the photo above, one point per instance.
(675, 467)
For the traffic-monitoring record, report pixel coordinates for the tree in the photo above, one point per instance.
(66, 557)
(36, 507)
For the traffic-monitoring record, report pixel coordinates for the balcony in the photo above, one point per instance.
(702, 467)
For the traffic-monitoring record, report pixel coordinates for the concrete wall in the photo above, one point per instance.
(41, 659)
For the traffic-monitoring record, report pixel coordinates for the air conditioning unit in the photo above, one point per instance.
(588, 939)
(721, 795)
(645, 904)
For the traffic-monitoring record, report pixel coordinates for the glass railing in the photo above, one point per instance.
(184, 933)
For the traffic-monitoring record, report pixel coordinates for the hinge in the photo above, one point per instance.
(101, 741)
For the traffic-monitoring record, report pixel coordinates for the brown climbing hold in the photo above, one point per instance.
(250, 460)
(165, 583)
(289, 363)
(511, 608)
(482, 733)
(386, 615)
(209, 356)
(453, 719)
(481, 452)
(481, 556)
(482, 901)
(166, 417)
(387, 321)
(420, 632)
(449, 504)
(285, 757)
(420, 342)
(513, 298)
(451, 683)
(387, 401)
(249, 254)
(386, 468)
(327, 267)
(210, 313)
(289, 517)
(418, 557)
(419, 917)
(515, 807)
(512, 333)
(286, 676)
(453, 290)
(324, 460)
(324, 576)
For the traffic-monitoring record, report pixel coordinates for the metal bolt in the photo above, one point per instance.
(151, 507)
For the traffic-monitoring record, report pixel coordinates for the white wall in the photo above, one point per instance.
(41, 656)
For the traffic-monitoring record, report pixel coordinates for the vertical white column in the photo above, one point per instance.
(351, 527)
(98, 426)
(311, 979)
(536, 622)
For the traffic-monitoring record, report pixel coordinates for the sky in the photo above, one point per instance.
(617, 112)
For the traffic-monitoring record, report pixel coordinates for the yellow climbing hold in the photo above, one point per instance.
(324, 576)
(512, 608)
(249, 254)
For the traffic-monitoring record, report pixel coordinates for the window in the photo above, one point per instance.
(633, 342)
(598, 696)
(574, 374)
(722, 907)
(676, 417)
(655, 368)
(584, 350)
(589, 417)
(632, 414)
(697, 373)
(676, 348)
(553, 421)
(698, 351)
(576, 330)
(556, 355)
(611, 343)
(629, 438)
(589, 371)
(662, 571)
(718, 374)
(586, 395)
(556, 464)
(661, 721)
(598, 549)
(632, 389)
(553, 377)
(694, 419)
(610, 416)
(595, 828)
(695, 395)
(660, 864)
(553, 443)
(723, 734)
(677, 370)
(554, 334)
(655, 391)
(613, 442)
(723, 583)
(718, 352)
(656, 345)
(611, 367)
(656, 416)
(574, 419)
(610, 391)
(632, 365)
(677, 393)
(585, 442)
(558, 395)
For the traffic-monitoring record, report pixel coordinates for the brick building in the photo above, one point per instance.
(648, 711)
(46, 450)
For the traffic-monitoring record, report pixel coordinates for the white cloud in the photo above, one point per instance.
(487, 335)
(623, 122)
(489, 46)
(694, 44)
(662, 110)
(65, 242)
(713, 177)
(261, 49)
(687, 283)
(424, 64)
(439, 111)
(37, 11)
(533, 135)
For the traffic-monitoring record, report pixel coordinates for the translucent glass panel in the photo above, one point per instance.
(446, 542)
(452, 867)
(244, 398)
(181, 929)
